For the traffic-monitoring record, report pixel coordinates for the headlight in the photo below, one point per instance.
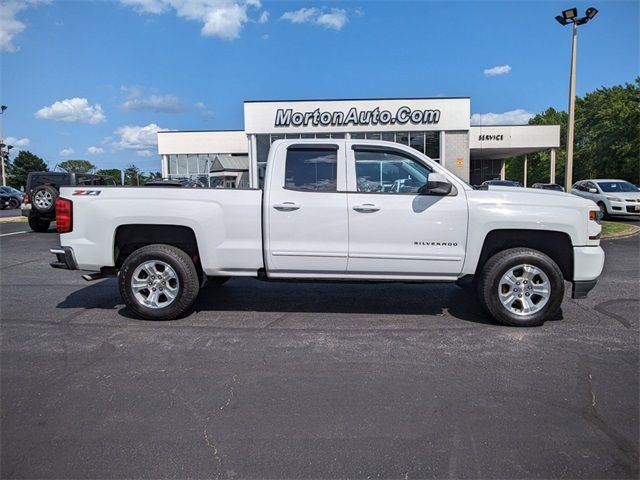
(614, 199)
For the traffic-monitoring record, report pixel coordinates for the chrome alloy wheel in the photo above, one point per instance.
(155, 284)
(524, 289)
(43, 199)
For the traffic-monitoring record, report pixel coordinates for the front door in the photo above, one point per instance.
(307, 231)
(395, 231)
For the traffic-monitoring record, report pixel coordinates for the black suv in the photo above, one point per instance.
(43, 188)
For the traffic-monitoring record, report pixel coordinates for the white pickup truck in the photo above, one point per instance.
(336, 210)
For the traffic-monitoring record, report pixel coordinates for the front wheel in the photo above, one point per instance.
(159, 282)
(603, 211)
(14, 203)
(521, 287)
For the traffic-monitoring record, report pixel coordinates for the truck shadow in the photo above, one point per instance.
(395, 302)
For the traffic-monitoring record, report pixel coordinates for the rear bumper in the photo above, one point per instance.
(64, 258)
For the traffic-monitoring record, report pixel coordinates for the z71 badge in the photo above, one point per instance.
(87, 192)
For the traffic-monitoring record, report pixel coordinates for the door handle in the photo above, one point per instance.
(286, 206)
(366, 208)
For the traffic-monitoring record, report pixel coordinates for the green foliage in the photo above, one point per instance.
(133, 176)
(111, 172)
(77, 166)
(607, 138)
(19, 168)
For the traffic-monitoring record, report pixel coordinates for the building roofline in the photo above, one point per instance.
(355, 99)
(515, 125)
(199, 131)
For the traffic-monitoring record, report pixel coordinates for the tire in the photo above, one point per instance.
(39, 224)
(14, 203)
(162, 268)
(44, 199)
(508, 297)
(603, 211)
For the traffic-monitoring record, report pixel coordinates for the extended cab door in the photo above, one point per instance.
(305, 209)
(393, 230)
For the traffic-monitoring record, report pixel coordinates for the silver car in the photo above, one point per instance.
(614, 197)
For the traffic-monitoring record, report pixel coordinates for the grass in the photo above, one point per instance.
(611, 229)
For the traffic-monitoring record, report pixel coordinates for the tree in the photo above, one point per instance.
(112, 172)
(77, 166)
(133, 176)
(607, 138)
(154, 176)
(24, 163)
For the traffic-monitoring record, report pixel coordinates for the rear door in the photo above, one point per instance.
(393, 230)
(305, 208)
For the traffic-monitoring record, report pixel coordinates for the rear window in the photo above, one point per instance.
(54, 180)
(311, 169)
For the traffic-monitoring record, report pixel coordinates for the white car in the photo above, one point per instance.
(336, 210)
(614, 197)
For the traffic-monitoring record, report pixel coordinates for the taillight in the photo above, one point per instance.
(64, 215)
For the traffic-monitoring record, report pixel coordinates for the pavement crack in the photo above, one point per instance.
(603, 309)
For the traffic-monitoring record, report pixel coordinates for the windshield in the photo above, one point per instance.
(617, 187)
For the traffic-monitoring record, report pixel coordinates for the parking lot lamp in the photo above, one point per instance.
(570, 16)
(4, 180)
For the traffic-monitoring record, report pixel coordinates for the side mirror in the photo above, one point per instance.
(593, 190)
(437, 184)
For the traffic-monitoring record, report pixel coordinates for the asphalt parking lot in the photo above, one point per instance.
(312, 380)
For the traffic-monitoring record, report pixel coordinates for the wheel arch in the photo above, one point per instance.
(130, 237)
(556, 245)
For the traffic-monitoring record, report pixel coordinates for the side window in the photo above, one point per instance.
(311, 169)
(389, 172)
(589, 185)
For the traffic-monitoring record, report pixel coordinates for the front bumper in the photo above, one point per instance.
(624, 208)
(588, 263)
(64, 258)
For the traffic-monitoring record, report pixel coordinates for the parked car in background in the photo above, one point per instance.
(548, 186)
(5, 201)
(186, 183)
(614, 197)
(15, 196)
(43, 188)
(498, 183)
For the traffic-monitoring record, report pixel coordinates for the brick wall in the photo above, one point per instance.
(456, 153)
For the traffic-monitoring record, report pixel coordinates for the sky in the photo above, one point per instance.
(96, 80)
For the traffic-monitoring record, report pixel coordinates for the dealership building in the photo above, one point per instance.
(437, 127)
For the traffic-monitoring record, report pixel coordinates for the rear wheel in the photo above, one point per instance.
(159, 282)
(39, 224)
(14, 203)
(521, 287)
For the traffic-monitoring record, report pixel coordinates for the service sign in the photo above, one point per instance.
(357, 115)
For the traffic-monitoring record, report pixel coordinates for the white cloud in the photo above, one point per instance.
(137, 137)
(144, 153)
(73, 110)
(65, 152)
(95, 150)
(137, 100)
(303, 15)
(10, 26)
(497, 70)
(17, 142)
(265, 36)
(200, 105)
(264, 17)
(335, 19)
(512, 117)
(219, 18)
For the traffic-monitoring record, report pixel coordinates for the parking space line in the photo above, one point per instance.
(12, 233)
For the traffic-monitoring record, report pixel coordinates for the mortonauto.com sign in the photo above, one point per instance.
(354, 117)
(373, 115)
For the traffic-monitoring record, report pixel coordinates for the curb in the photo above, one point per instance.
(634, 231)
(15, 219)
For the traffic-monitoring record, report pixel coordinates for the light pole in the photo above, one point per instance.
(567, 17)
(4, 179)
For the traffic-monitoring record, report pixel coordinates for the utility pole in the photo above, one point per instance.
(2, 145)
